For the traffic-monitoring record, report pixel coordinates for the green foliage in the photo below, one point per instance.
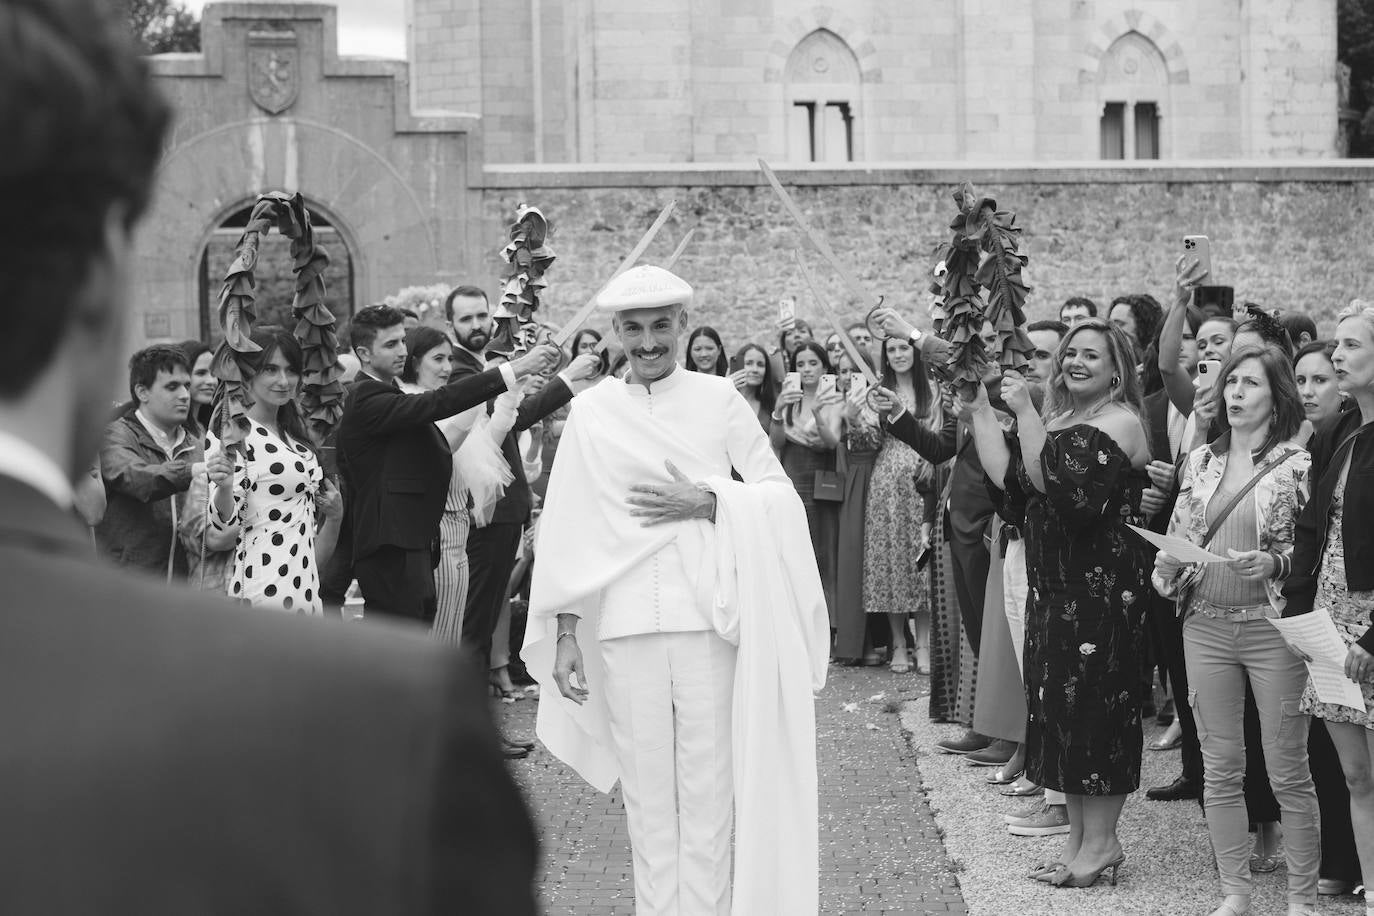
(1355, 48)
(162, 26)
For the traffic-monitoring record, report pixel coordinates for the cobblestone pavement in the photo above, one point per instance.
(881, 851)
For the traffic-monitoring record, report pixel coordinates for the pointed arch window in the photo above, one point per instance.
(823, 91)
(1133, 87)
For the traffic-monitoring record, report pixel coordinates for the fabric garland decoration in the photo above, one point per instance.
(982, 258)
(322, 397)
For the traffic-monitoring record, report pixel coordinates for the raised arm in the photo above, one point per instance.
(1176, 381)
(935, 446)
(1030, 429)
(988, 440)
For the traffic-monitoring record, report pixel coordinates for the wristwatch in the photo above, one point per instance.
(915, 337)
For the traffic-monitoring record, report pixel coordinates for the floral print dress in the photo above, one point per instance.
(894, 581)
(1085, 656)
(1349, 610)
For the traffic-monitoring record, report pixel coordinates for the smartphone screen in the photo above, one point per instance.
(787, 312)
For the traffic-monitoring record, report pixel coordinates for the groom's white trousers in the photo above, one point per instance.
(669, 697)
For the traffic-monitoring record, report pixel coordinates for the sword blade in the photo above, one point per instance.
(850, 348)
(568, 330)
(856, 288)
(681, 247)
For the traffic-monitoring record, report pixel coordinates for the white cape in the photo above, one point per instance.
(756, 574)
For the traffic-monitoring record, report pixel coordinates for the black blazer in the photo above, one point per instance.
(397, 463)
(1309, 535)
(167, 753)
(514, 507)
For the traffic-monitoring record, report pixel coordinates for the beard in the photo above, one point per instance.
(475, 339)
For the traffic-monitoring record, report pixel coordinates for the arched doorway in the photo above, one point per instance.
(276, 284)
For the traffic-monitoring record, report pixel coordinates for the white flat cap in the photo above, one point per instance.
(644, 287)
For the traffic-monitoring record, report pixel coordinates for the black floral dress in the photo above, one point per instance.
(1085, 653)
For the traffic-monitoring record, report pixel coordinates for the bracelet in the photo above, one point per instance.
(565, 633)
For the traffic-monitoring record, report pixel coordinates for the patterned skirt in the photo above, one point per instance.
(1351, 613)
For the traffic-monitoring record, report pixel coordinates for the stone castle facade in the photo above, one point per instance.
(663, 81)
(600, 111)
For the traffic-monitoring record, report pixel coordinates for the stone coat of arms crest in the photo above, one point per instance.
(273, 70)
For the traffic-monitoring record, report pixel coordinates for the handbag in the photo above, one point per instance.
(1189, 579)
(828, 486)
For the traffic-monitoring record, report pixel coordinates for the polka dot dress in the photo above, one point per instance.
(275, 480)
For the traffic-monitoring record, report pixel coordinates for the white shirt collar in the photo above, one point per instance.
(164, 442)
(25, 463)
(658, 386)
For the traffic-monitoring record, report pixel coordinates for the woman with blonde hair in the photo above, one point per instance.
(1079, 470)
(1333, 563)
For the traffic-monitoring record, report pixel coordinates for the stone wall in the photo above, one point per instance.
(1294, 237)
(666, 81)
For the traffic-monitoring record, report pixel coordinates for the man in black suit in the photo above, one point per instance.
(397, 464)
(166, 753)
(492, 549)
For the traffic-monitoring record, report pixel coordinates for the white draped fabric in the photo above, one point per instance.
(755, 574)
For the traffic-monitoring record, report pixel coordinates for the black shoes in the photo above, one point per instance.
(1178, 790)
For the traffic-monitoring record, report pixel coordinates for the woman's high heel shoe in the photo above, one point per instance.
(1045, 868)
(1066, 877)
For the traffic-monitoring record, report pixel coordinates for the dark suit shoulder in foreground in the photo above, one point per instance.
(168, 753)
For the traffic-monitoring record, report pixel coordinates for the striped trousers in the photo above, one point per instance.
(451, 576)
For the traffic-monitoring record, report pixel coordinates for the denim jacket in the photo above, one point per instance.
(1279, 498)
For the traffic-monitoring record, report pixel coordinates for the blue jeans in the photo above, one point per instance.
(1220, 655)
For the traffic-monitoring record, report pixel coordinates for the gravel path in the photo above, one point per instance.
(1169, 868)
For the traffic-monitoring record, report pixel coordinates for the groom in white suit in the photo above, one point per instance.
(678, 623)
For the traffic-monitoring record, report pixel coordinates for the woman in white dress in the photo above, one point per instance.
(271, 485)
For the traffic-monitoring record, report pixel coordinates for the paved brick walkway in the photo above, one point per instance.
(880, 848)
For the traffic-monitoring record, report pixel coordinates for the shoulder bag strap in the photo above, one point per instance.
(1250, 485)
